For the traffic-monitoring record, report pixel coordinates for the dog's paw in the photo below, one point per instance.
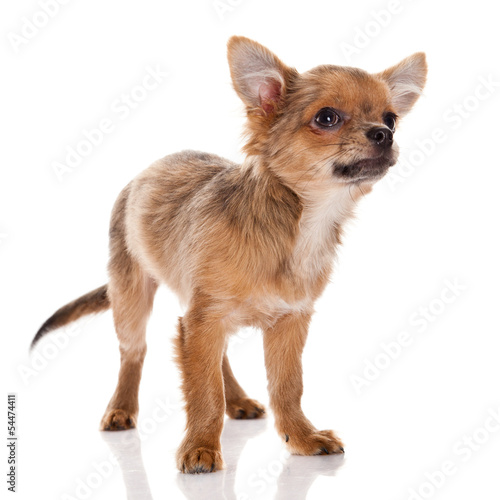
(200, 461)
(245, 408)
(117, 420)
(315, 443)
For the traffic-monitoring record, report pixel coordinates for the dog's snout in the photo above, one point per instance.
(382, 136)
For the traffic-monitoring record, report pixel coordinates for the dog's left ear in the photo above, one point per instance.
(259, 77)
(406, 81)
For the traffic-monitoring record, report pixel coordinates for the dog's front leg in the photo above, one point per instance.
(200, 348)
(283, 346)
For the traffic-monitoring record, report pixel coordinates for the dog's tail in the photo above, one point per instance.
(93, 302)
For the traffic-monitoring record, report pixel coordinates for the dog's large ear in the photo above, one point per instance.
(259, 77)
(406, 81)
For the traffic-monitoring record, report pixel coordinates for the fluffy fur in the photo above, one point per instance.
(248, 244)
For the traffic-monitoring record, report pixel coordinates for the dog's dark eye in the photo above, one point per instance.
(390, 121)
(327, 117)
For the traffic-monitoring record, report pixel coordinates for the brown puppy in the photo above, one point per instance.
(248, 244)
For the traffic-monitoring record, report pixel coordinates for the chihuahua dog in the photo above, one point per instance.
(248, 245)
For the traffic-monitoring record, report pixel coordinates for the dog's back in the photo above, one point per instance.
(161, 209)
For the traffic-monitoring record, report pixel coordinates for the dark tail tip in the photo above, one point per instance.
(45, 328)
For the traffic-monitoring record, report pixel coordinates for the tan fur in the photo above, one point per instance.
(251, 244)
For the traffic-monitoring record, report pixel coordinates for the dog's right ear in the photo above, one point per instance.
(259, 77)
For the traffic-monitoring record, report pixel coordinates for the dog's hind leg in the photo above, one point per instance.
(131, 307)
(131, 292)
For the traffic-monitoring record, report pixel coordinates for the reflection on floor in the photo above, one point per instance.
(126, 447)
(296, 476)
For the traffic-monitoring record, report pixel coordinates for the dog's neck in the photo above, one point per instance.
(322, 207)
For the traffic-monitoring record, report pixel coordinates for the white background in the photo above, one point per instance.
(433, 221)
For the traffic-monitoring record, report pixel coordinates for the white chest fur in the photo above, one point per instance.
(316, 245)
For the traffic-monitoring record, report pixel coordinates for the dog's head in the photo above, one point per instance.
(327, 126)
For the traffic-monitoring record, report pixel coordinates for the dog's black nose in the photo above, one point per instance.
(382, 136)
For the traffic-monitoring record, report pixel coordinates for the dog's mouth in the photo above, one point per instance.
(366, 169)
